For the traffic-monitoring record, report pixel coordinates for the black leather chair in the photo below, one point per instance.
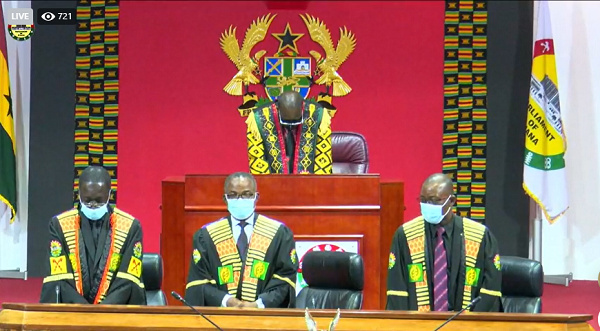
(349, 153)
(522, 285)
(152, 269)
(335, 280)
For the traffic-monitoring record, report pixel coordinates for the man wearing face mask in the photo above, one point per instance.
(244, 259)
(289, 136)
(95, 251)
(440, 261)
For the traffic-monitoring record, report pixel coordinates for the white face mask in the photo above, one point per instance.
(94, 214)
(241, 208)
(433, 213)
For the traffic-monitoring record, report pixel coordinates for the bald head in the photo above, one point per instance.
(440, 183)
(95, 174)
(94, 185)
(438, 190)
(289, 104)
(245, 179)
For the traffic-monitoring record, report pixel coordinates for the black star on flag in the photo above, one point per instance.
(9, 99)
(288, 39)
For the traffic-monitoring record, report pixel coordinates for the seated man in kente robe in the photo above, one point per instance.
(94, 251)
(289, 136)
(244, 259)
(440, 261)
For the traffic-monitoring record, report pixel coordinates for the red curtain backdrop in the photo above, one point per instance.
(175, 118)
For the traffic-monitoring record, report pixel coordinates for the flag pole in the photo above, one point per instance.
(537, 232)
(564, 279)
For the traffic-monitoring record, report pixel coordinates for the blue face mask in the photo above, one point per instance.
(241, 209)
(94, 214)
(433, 213)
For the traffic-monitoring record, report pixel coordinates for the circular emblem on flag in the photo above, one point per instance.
(497, 261)
(392, 261)
(137, 250)
(293, 256)
(21, 32)
(55, 248)
(196, 256)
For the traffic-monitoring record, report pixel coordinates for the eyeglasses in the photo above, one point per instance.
(94, 204)
(243, 195)
(432, 200)
(291, 123)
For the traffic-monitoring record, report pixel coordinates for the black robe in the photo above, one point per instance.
(468, 277)
(114, 274)
(270, 267)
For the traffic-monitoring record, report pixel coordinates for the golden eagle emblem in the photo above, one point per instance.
(327, 67)
(311, 324)
(248, 66)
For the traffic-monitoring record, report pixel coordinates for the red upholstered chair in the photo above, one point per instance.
(349, 153)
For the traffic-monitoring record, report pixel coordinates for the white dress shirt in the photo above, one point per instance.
(237, 231)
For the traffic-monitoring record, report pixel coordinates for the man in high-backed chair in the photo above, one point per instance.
(95, 251)
(244, 259)
(440, 261)
(289, 136)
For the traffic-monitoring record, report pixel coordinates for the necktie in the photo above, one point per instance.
(440, 274)
(242, 242)
(290, 146)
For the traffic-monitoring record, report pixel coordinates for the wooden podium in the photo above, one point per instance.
(111, 317)
(325, 207)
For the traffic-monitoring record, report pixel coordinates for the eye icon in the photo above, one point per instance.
(48, 16)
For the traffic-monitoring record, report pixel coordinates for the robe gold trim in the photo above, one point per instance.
(397, 293)
(200, 282)
(120, 223)
(222, 236)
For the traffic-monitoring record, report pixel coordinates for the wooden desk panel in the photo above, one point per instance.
(87, 317)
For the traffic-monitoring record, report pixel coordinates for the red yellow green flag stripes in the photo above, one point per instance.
(97, 88)
(8, 173)
(544, 177)
(465, 106)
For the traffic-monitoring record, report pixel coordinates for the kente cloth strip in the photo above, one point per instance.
(97, 89)
(465, 104)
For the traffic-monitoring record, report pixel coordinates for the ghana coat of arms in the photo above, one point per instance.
(287, 69)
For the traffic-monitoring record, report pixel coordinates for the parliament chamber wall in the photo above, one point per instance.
(174, 117)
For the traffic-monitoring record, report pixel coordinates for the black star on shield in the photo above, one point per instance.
(288, 39)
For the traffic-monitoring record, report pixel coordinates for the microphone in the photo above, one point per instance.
(471, 304)
(178, 297)
(57, 290)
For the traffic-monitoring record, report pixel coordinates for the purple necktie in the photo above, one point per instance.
(440, 274)
(242, 242)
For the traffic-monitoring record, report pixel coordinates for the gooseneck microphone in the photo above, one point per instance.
(471, 304)
(178, 297)
(57, 290)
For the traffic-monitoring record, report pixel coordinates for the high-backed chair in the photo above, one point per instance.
(522, 285)
(335, 280)
(349, 153)
(152, 274)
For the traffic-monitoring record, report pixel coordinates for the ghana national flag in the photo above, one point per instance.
(544, 177)
(8, 174)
